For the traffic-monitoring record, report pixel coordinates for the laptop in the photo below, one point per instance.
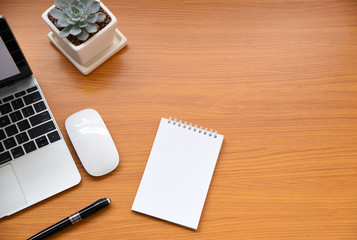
(35, 162)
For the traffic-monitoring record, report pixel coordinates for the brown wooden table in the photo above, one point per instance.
(277, 78)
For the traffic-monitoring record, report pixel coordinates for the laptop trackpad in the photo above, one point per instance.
(11, 197)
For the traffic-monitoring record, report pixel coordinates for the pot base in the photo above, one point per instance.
(118, 43)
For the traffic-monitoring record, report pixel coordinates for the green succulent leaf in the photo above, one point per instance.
(75, 3)
(87, 11)
(57, 14)
(65, 32)
(88, 3)
(69, 12)
(60, 3)
(63, 22)
(76, 19)
(70, 21)
(101, 17)
(91, 28)
(65, 6)
(95, 6)
(75, 30)
(83, 35)
(75, 11)
(92, 18)
(82, 24)
(84, 17)
(81, 6)
(84, 2)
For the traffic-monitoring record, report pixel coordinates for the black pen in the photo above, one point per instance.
(74, 218)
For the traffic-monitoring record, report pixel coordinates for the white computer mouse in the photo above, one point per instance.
(92, 142)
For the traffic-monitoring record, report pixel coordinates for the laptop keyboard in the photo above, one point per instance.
(25, 124)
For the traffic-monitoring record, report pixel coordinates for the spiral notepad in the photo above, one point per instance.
(178, 173)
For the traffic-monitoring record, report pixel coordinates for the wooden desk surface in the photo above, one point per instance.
(277, 78)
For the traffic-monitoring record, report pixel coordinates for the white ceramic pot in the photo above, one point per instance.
(88, 50)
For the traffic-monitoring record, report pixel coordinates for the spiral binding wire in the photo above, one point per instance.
(195, 128)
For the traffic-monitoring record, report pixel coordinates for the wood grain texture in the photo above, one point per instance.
(278, 78)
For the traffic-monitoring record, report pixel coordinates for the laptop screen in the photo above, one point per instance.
(8, 66)
(13, 65)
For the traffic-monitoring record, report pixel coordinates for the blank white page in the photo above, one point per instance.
(178, 173)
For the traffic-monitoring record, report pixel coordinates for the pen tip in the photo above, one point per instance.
(108, 199)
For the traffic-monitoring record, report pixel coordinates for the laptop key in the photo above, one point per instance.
(9, 98)
(33, 97)
(5, 157)
(28, 111)
(41, 141)
(41, 129)
(16, 116)
(17, 152)
(18, 103)
(19, 94)
(32, 89)
(1, 148)
(5, 108)
(4, 121)
(11, 130)
(22, 137)
(30, 146)
(53, 136)
(2, 134)
(40, 118)
(40, 106)
(9, 143)
(23, 125)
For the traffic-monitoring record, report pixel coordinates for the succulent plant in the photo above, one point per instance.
(77, 17)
